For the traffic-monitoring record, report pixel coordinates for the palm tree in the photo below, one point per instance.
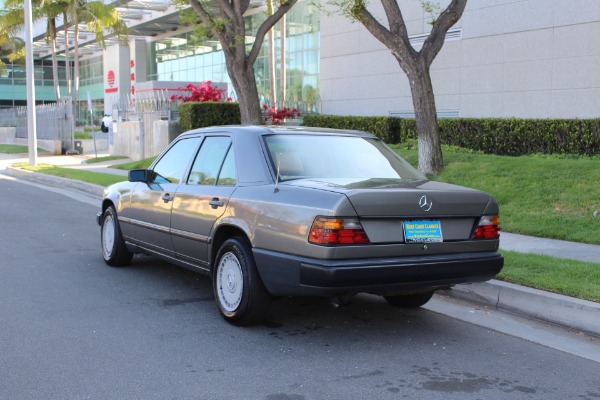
(67, 65)
(51, 37)
(97, 17)
(13, 20)
(11, 48)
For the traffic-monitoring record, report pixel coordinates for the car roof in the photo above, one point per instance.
(256, 171)
(286, 130)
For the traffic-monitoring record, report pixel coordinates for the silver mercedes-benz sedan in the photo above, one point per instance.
(271, 211)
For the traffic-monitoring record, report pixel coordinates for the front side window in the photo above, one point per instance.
(171, 167)
(213, 164)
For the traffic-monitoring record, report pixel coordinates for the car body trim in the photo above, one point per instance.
(147, 247)
(190, 235)
(197, 265)
(164, 229)
(415, 216)
(136, 222)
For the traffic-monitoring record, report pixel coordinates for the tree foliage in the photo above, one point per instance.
(224, 21)
(11, 48)
(203, 93)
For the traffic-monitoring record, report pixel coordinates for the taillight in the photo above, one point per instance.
(337, 231)
(488, 228)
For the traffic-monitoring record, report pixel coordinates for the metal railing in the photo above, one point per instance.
(157, 102)
(133, 108)
(54, 121)
(145, 108)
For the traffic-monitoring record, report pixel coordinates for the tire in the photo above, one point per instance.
(409, 300)
(114, 251)
(240, 294)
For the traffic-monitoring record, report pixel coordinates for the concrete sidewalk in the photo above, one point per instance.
(558, 309)
(550, 247)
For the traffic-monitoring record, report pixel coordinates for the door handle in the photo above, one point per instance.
(167, 198)
(215, 202)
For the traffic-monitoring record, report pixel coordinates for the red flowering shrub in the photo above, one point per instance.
(278, 115)
(206, 92)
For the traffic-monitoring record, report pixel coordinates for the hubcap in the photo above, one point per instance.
(230, 283)
(108, 236)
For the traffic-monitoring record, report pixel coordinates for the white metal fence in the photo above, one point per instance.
(53, 121)
(133, 108)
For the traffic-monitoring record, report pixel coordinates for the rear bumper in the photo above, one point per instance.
(283, 274)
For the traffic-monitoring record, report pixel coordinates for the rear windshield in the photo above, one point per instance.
(336, 157)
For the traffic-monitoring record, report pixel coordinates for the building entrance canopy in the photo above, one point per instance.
(143, 18)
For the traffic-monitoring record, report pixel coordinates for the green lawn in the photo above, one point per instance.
(558, 275)
(141, 164)
(102, 159)
(85, 176)
(540, 196)
(82, 135)
(16, 149)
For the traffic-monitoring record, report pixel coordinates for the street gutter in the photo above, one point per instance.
(555, 308)
(64, 183)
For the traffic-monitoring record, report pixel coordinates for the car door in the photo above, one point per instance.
(151, 202)
(203, 198)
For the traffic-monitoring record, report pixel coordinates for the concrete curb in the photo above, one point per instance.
(555, 308)
(57, 181)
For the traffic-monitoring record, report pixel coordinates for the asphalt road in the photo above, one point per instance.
(73, 328)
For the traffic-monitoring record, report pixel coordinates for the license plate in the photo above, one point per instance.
(422, 231)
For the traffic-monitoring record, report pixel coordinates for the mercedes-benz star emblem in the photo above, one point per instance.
(425, 203)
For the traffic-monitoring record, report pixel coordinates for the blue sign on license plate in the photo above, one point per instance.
(422, 231)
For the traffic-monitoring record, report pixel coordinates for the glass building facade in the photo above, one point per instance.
(13, 87)
(185, 58)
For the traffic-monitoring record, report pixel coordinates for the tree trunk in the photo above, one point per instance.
(55, 69)
(76, 71)
(272, 75)
(430, 148)
(244, 83)
(67, 66)
(271, 48)
(416, 66)
(52, 36)
(283, 83)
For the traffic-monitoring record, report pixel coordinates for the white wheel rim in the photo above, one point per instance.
(230, 282)
(108, 236)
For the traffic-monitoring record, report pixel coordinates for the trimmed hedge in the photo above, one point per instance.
(513, 137)
(193, 115)
(387, 129)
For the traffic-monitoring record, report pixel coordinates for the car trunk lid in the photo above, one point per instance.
(392, 197)
(384, 207)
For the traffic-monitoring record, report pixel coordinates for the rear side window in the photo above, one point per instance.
(214, 163)
(228, 175)
(171, 167)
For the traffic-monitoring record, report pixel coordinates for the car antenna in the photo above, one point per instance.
(277, 176)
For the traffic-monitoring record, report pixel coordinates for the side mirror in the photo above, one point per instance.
(139, 175)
